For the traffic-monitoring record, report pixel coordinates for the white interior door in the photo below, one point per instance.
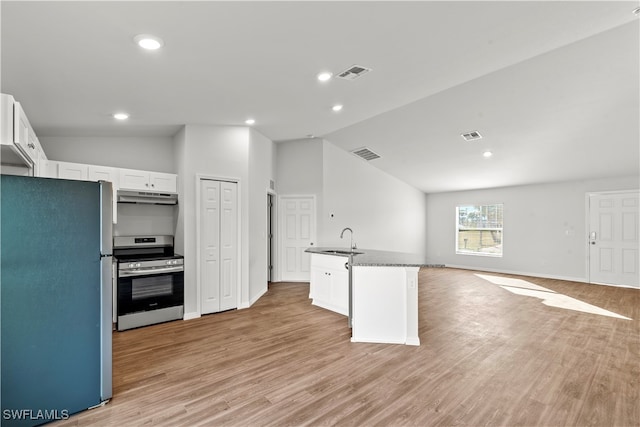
(614, 258)
(218, 246)
(298, 232)
(228, 245)
(210, 246)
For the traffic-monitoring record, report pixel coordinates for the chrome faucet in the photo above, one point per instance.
(351, 245)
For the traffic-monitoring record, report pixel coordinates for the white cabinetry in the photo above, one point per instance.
(21, 150)
(329, 287)
(131, 179)
(22, 130)
(104, 173)
(41, 166)
(75, 171)
(82, 172)
(385, 304)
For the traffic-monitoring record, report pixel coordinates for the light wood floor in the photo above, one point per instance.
(488, 357)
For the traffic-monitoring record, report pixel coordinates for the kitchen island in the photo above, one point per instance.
(382, 298)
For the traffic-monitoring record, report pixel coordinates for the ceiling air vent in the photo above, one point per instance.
(353, 72)
(471, 136)
(365, 153)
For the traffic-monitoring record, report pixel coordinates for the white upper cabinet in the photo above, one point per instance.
(41, 165)
(75, 171)
(164, 182)
(22, 130)
(131, 179)
(17, 139)
(104, 173)
(6, 111)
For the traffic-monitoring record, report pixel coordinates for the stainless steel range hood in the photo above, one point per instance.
(147, 197)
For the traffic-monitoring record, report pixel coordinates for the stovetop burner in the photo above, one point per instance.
(150, 257)
(143, 248)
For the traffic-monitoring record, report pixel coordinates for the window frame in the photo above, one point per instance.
(500, 229)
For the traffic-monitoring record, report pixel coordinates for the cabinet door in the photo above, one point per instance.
(134, 179)
(21, 127)
(6, 119)
(163, 182)
(319, 289)
(39, 163)
(76, 171)
(44, 166)
(339, 288)
(102, 173)
(105, 173)
(33, 144)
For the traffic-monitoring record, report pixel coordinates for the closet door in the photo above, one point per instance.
(228, 246)
(210, 246)
(218, 246)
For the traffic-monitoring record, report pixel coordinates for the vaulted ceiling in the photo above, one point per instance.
(553, 87)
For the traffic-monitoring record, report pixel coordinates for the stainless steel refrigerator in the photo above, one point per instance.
(55, 298)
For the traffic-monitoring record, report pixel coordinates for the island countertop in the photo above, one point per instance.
(376, 258)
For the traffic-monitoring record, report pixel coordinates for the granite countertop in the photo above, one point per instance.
(376, 258)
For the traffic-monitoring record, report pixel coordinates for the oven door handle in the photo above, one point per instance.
(129, 273)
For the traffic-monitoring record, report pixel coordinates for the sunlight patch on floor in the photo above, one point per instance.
(548, 297)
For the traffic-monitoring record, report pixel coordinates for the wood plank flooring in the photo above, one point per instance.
(488, 358)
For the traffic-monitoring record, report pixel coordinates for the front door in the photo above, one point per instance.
(298, 228)
(614, 258)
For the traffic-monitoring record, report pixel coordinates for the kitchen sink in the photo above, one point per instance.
(342, 252)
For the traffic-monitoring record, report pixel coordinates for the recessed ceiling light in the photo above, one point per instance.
(121, 116)
(250, 121)
(337, 107)
(324, 76)
(487, 154)
(149, 42)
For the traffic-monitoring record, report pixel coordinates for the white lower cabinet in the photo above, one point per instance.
(329, 287)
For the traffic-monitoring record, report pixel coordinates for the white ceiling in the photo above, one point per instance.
(552, 86)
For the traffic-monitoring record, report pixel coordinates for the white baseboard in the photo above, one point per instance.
(191, 315)
(617, 286)
(257, 297)
(520, 273)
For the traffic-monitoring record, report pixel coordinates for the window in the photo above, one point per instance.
(479, 230)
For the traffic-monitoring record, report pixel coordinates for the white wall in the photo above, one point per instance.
(226, 152)
(261, 172)
(145, 220)
(545, 228)
(217, 152)
(383, 212)
(299, 172)
(299, 168)
(145, 153)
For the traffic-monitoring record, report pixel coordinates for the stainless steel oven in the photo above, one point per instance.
(150, 283)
